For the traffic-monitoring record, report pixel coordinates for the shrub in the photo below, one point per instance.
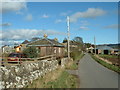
(75, 54)
(31, 52)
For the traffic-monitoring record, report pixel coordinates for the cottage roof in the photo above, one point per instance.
(45, 42)
(104, 47)
(25, 42)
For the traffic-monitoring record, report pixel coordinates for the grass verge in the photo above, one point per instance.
(109, 66)
(56, 79)
(108, 56)
(74, 64)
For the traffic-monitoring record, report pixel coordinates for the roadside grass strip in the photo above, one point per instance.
(56, 79)
(108, 56)
(109, 66)
(74, 64)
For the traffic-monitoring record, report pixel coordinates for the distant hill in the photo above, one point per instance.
(116, 46)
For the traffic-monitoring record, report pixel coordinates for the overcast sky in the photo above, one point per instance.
(24, 20)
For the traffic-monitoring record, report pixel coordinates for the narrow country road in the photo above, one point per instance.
(94, 75)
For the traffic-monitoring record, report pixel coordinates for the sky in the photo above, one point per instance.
(25, 20)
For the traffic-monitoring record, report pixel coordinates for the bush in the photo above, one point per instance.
(31, 52)
(75, 54)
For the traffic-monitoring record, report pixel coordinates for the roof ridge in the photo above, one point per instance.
(49, 41)
(25, 41)
(34, 41)
(44, 41)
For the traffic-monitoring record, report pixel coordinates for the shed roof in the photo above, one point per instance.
(104, 47)
(45, 42)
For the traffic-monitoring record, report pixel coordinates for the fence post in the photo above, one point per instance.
(19, 61)
(6, 62)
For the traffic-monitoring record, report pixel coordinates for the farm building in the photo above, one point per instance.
(21, 47)
(103, 50)
(115, 52)
(24, 44)
(7, 49)
(48, 47)
(90, 49)
(17, 48)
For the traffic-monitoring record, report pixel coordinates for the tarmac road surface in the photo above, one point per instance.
(94, 75)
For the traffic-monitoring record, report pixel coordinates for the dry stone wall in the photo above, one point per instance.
(21, 76)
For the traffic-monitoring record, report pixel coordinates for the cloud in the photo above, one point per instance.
(5, 24)
(23, 34)
(9, 42)
(84, 28)
(84, 23)
(90, 13)
(29, 17)
(12, 6)
(61, 21)
(45, 16)
(58, 21)
(19, 13)
(113, 26)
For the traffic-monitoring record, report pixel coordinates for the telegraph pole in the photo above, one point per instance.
(68, 33)
(95, 44)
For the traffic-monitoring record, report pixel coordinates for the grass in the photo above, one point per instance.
(71, 65)
(109, 66)
(76, 55)
(64, 81)
(108, 56)
(56, 79)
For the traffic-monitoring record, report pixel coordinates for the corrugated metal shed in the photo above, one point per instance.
(104, 47)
